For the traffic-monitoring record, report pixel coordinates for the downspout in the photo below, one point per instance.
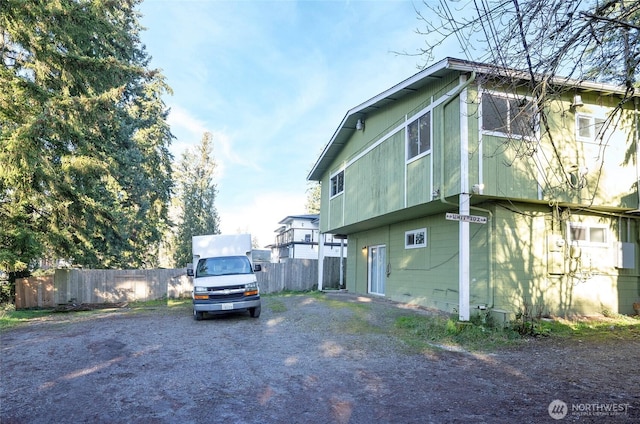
(444, 105)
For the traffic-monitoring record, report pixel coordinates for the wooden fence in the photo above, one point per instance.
(111, 286)
(35, 292)
(298, 275)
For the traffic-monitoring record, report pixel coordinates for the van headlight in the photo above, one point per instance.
(200, 289)
(251, 289)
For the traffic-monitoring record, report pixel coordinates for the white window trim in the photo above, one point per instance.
(587, 227)
(592, 126)
(414, 232)
(413, 119)
(331, 196)
(510, 96)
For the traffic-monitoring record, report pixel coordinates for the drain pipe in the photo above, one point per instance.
(453, 96)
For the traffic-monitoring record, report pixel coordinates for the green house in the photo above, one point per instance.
(459, 189)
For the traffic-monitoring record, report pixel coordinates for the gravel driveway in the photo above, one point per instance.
(305, 360)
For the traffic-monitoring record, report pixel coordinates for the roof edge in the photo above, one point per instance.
(462, 66)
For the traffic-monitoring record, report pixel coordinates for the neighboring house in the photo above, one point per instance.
(453, 195)
(298, 238)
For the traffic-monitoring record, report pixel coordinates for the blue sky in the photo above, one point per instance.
(271, 80)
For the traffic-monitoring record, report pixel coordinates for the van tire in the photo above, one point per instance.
(197, 315)
(255, 312)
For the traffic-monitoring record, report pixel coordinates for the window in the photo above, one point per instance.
(508, 116)
(419, 136)
(337, 183)
(583, 234)
(415, 239)
(588, 128)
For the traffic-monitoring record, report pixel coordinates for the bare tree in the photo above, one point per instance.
(581, 40)
(545, 46)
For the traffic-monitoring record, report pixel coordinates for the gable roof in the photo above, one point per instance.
(412, 84)
(309, 217)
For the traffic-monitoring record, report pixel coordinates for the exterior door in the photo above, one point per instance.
(377, 269)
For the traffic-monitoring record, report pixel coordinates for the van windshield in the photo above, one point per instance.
(228, 265)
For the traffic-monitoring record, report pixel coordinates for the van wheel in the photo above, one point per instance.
(255, 312)
(197, 315)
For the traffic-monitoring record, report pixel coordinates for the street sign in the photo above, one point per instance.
(466, 218)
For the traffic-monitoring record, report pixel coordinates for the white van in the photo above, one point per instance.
(223, 275)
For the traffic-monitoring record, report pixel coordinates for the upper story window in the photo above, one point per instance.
(508, 116)
(337, 183)
(419, 136)
(588, 127)
(585, 234)
(415, 238)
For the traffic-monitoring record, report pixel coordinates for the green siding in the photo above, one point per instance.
(509, 264)
(374, 183)
(424, 276)
(447, 168)
(586, 284)
(419, 181)
(520, 169)
(375, 177)
(519, 241)
(336, 211)
(515, 258)
(506, 174)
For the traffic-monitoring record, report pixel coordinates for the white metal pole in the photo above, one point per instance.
(321, 239)
(464, 257)
(341, 265)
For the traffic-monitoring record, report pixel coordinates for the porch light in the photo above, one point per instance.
(577, 101)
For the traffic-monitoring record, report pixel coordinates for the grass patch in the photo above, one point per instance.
(180, 303)
(424, 333)
(428, 332)
(595, 329)
(10, 318)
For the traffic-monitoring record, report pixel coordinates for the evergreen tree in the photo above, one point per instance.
(84, 160)
(197, 193)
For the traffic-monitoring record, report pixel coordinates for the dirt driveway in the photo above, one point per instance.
(305, 360)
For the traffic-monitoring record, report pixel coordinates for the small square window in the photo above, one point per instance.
(415, 238)
(589, 128)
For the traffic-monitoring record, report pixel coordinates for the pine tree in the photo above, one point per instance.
(84, 160)
(197, 193)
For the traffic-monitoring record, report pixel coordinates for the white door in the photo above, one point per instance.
(377, 269)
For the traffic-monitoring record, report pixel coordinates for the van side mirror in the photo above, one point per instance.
(257, 268)
(189, 272)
